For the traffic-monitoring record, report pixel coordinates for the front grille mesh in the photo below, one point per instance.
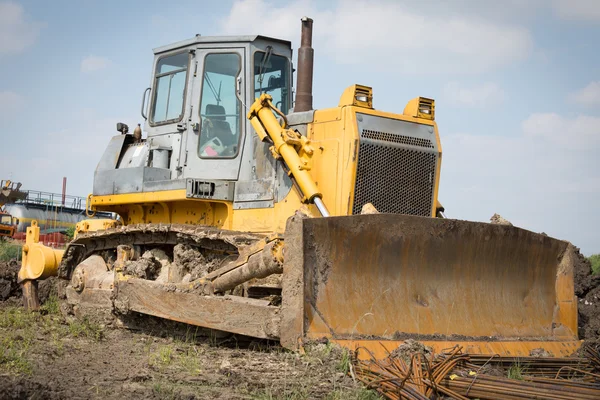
(395, 138)
(394, 179)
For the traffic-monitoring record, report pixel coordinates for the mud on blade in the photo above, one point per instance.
(395, 276)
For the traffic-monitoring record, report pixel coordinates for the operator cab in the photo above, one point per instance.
(195, 117)
(200, 90)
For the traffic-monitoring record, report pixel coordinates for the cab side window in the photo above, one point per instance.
(169, 89)
(220, 109)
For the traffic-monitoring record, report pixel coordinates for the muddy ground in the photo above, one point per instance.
(587, 290)
(45, 356)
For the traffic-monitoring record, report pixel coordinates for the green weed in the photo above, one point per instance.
(595, 261)
(293, 394)
(18, 318)
(12, 355)
(164, 391)
(9, 250)
(51, 306)
(353, 394)
(515, 371)
(85, 328)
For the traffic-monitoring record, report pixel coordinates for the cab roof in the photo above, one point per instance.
(217, 39)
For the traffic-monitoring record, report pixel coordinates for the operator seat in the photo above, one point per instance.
(217, 126)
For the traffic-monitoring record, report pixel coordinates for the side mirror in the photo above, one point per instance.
(123, 128)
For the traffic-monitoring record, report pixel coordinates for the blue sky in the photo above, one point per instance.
(516, 83)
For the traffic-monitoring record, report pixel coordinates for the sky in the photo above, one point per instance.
(516, 84)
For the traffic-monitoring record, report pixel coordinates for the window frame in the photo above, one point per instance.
(289, 79)
(155, 78)
(240, 103)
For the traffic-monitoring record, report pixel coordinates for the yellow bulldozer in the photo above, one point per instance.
(247, 212)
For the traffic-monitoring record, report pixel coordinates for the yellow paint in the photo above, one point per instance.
(39, 261)
(294, 148)
(138, 198)
(324, 164)
(357, 95)
(92, 225)
(421, 107)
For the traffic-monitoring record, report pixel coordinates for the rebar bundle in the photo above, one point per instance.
(457, 375)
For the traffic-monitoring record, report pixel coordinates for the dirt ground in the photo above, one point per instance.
(45, 356)
(587, 290)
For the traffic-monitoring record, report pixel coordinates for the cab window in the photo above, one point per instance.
(220, 108)
(5, 220)
(169, 88)
(271, 77)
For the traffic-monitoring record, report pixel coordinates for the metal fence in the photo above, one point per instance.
(54, 199)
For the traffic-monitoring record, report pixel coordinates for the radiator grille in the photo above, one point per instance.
(394, 179)
(395, 138)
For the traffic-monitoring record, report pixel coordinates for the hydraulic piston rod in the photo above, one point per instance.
(289, 145)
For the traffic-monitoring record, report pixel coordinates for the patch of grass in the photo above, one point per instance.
(164, 391)
(51, 306)
(180, 356)
(343, 364)
(163, 357)
(9, 250)
(515, 371)
(353, 394)
(595, 261)
(293, 394)
(13, 358)
(18, 318)
(86, 328)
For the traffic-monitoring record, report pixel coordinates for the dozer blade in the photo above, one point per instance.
(374, 280)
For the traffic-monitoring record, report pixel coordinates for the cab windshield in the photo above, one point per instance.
(169, 88)
(5, 220)
(271, 76)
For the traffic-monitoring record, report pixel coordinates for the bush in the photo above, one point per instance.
(9, 250)
(70, 232)
(595, 261)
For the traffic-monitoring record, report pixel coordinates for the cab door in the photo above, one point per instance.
(217, 128)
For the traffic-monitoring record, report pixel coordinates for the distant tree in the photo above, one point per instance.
(595, 261)
(70, 232)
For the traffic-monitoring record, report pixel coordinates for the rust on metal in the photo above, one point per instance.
(453, 373)
(304, 94)
(388, 276)
(251, 317)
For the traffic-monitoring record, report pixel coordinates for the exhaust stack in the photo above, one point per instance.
(304, 96)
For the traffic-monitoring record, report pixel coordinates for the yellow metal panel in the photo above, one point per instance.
(136, 198)
(38, 261)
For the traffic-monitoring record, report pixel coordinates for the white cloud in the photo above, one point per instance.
(72, 147)
(17, 32)
(581, 132)
(578, 10)
(10, 101)
(479, 96)
(545, 178)
(391, 35)
(587, 96)
(94, 63)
